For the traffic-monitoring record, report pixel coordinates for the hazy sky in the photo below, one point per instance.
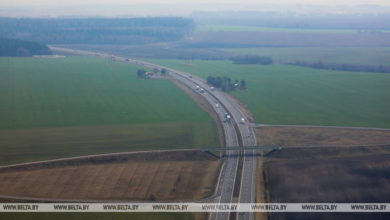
(130, 8)
(73, 2)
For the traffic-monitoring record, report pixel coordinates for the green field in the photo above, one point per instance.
(20, 145)
(86, 91)
(52, 108)
(283, 94)
(270, 29)
(344, 55)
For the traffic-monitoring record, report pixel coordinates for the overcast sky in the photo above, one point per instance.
(75, 2)
(130, 8)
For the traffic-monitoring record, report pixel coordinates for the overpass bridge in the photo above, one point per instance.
(240, 148)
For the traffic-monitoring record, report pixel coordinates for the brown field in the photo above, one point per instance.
(303, 136)
(335, 174)
(159, 176)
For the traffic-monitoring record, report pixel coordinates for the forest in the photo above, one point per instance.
(97, 30)
(21, 48)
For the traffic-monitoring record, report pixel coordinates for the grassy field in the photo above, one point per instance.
(86, 91)
(52, 108)
(282, 94)
(147, 176)
(269, 29)
(19, 145)
(344, 55)
(242, 39)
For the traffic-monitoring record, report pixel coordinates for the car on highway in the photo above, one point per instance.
(227, 117)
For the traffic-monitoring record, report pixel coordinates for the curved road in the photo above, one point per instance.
(236, 134)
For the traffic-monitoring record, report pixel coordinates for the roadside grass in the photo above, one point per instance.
(284, 94)
(342, 55)
(53, 108)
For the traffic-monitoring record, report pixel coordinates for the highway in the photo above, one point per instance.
(237, 133)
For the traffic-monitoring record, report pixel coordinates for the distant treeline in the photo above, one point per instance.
(225, 83)
(310, 20)
(252, 59)
(97, 30)
(21, 48)
(343, 67)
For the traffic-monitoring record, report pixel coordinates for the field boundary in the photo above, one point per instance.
(256, 125)
(6, 198)
(337, 146)
(42, 162)
(102, 159)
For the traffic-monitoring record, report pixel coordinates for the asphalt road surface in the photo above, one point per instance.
(237, 133)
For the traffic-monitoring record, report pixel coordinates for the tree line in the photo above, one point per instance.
(252, 59)
(225, 83)
(343, 67)
(21, 48)
(97, 30)
(141, 74)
